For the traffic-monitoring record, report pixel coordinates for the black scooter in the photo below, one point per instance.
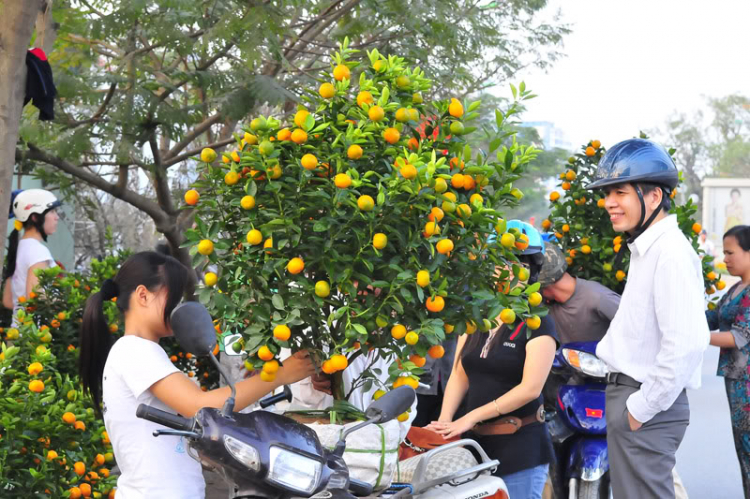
(262, 454)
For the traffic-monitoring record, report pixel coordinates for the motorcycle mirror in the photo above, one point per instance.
(193, 328)
(390, 405)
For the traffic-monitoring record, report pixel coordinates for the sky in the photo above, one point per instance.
(630, 64)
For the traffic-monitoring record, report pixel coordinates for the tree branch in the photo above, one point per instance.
(141, 202)
(210, 62)
(192, 152)
(192, 135)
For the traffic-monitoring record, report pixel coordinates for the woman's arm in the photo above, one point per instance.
(185, 397)
(7, 297)
(724, 339)
(540, 352)
(31, 279)
(457, 385)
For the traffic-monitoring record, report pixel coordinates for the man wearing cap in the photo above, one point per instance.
(655, 343)
(582, 309)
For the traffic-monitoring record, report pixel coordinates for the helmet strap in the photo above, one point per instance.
(642, 225)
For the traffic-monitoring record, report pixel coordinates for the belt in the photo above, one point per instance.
(509, 425)
(622, 379)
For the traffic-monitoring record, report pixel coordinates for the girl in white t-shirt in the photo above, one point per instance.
(36, 212)
(136, 370)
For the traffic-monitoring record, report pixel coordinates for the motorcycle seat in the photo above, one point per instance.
(440, 465)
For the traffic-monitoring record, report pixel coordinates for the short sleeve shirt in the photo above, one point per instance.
(587, 313)
(30, 252)
(151, 466)
(495, 375)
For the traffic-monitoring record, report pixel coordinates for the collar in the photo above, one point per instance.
(654, 232)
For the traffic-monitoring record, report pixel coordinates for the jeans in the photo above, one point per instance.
(527, 484)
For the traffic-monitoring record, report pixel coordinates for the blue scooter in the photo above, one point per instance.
(578, 427)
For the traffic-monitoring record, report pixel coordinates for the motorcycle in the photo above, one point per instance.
(266, 455)
(578, 427)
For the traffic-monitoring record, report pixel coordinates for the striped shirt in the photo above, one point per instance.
(660, 332)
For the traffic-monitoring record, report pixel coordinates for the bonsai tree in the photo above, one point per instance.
(360, 222)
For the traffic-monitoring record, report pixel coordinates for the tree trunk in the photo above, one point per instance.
(18, 17)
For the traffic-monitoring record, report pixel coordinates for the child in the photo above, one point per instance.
(136, 370)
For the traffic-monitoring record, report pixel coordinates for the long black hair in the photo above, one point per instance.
(742, 234)
(35, 220)
(150, 269)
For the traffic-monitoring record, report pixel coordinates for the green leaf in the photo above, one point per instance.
(309, 123)
(360, 329)
(278, 301)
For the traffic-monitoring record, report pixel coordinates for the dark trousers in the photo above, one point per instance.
(641, 462)
(428, 408)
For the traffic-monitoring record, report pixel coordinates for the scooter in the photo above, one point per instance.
(266, 455)
(578, 428)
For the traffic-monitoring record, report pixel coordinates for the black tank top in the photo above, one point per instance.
(495, 375)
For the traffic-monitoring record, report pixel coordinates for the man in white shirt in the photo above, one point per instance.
(705, 244)
(655, 343)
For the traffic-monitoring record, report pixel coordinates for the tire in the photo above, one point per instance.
(599, 489)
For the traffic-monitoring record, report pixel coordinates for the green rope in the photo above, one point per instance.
(382, 451)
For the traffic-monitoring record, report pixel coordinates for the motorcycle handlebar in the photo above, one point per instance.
(275, 399)
(359, 488)
(164, 418)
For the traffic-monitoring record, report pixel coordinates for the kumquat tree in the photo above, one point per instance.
(361, 223)
(582, 228)
(51, 442)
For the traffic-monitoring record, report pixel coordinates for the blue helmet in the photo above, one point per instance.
(635, 161)
(536, 244)
(536, 240)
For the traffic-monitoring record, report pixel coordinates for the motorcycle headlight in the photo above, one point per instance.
(246, 454)
(294, 471)
(585, 362)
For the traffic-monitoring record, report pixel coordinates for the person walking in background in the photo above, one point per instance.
(731, 318)
(705, 244)
(655, 343)
(35, 211)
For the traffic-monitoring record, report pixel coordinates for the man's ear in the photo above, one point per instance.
(655, 198)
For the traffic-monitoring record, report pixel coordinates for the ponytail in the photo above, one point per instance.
(150, 269)
(95, 343)
(10, 263)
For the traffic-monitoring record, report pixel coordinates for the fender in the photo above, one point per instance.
(588, 459)
(582, 407)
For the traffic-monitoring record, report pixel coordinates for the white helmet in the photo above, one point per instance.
(33, 201)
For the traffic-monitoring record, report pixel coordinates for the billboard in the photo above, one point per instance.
(726, 203)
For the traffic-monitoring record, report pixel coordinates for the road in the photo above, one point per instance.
(706, 460)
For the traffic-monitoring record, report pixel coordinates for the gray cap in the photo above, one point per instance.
(554, 266)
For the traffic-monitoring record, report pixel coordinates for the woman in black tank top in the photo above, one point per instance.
(501, 374)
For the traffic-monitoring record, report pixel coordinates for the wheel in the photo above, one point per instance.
(600, 489)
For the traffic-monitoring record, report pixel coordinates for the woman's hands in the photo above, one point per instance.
(450, 429)
(298, 366)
